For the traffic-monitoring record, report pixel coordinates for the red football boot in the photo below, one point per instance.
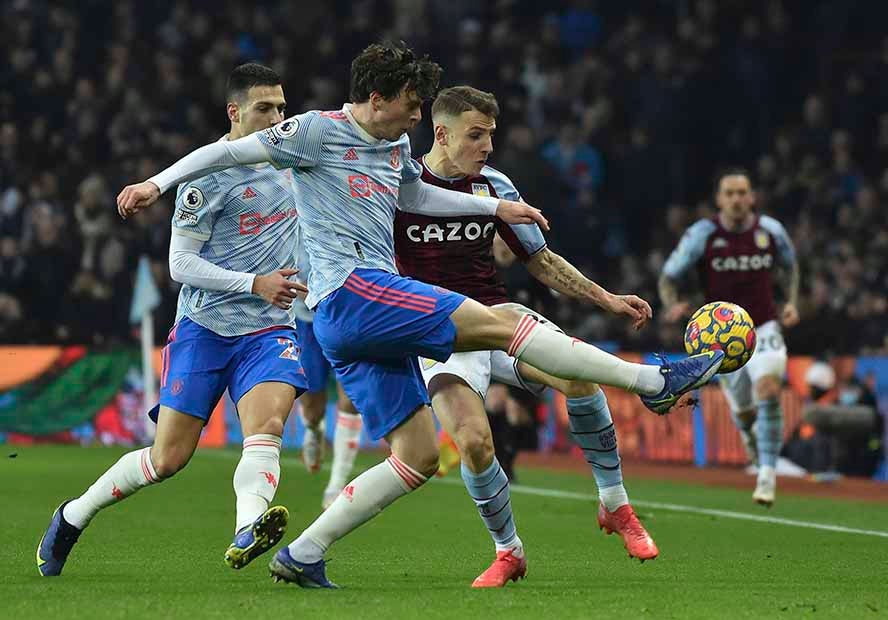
(505, 567)
(623, 521)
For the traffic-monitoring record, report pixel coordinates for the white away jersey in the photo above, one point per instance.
(247, 218)
(347, 185)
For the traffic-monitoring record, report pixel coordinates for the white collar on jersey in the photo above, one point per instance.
(366, 137)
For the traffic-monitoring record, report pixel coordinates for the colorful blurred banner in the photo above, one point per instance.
(76, 395)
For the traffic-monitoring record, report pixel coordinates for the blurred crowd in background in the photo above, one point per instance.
(615, 117)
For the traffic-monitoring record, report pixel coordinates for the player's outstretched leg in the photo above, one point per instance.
(174, 443)
(346, 443)
(414, 458)
(523, 337)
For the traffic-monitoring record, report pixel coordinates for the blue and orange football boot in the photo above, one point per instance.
(681, 377)
(56, 544)
(284, 568)
(262, 535)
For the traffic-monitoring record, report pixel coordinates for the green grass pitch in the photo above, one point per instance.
(159, 554)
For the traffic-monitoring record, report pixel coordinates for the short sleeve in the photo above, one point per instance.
(197, 206)
(785, 248)
(690, 249)
(295, 142)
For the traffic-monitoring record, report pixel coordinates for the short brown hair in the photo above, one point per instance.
(455, 100)
(387, 68)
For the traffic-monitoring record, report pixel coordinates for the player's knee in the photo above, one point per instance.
(426, 463)
(167, 462)
(273, 425)
(767, 388)
(475, 444)
(580, 389)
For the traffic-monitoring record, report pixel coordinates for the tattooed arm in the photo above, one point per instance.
(558, 274)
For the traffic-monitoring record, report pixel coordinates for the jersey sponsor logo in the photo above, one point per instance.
(186, 217)
(481, 189)
(718, 242)
(449, 231)
(287, 129)
(249, 194)
(253, 223)
(362, 186)
(755, 262)
(395, 161)
(761, 239)
(193, 199)
(350, 155)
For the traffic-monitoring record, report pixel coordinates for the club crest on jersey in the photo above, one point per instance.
(193, 199)
(287, 128)
(481, 189)
(395, 161)
(761, 239)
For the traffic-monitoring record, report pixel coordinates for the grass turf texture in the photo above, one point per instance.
(159, 553)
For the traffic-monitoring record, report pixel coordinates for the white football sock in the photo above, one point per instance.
(571, 358)
(256, 477)
(362, 499)
(346, 442)
(132, 472)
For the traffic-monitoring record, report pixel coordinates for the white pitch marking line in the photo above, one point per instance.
(728, 514)
(585, 497)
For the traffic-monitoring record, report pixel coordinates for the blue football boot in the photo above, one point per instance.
(262, 535)
(681, 377)
(56, 544)
(284, 568)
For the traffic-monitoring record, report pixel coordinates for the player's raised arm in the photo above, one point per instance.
(421, 197)
(206, 159)
(559, 274)
(295, 142)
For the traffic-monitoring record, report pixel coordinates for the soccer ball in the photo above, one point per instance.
(725, 327)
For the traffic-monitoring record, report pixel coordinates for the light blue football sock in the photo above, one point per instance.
(593, 430)
(490, 491)
(769, 429)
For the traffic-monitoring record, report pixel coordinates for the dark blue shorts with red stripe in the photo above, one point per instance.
(372, 329)
(197, 365)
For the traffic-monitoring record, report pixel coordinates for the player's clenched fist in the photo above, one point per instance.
(277, 290)
(136, 197)
(512, 212)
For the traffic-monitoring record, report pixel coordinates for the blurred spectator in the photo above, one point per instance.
(613, 114)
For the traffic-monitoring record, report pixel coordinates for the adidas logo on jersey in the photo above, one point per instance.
(350, 155)
(248, 194)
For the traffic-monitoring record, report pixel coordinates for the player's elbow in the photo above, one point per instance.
(178, 272)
